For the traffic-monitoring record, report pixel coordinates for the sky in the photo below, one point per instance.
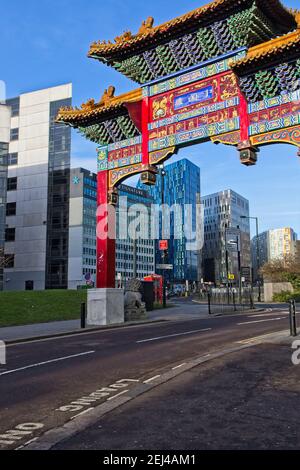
(44, 43)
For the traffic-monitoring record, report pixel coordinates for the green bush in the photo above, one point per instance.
(285, 296)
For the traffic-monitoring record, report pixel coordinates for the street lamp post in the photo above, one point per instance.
(237, 243)
(257, 253)
(227, 266)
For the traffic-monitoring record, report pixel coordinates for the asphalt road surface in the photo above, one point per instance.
(47, 383)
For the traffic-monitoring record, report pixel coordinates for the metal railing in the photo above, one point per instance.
(223, 300)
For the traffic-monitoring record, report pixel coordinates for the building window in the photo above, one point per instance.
(9, 261)
(11, 208)
(14, 103)
(29, 285)
(14, 134)
(12, 184)
(12, 159)
(10, 234)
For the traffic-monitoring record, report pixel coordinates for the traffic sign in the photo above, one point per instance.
(165, 267)
(246, 273)
(163, 245)
(231, 277)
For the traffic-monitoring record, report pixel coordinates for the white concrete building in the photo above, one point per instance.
(37, 209)
(82, 228)
(5, 116)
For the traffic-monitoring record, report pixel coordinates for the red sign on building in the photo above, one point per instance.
(163, 245)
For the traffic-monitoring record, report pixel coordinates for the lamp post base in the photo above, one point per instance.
(105, 307)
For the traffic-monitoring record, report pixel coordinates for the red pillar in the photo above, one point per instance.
(106, 240)
(145, 131)
(244, 117)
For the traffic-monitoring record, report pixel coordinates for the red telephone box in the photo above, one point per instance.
(158, 286)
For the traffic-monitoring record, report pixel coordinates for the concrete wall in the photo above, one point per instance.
(4, 123)
(75, 277)
(272, 288)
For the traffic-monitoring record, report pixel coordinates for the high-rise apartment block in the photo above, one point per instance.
(273, 244)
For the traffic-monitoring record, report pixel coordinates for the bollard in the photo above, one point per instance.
(234, 302)
(83, 315)
(252, 307)
(209, 302)
(293, 321)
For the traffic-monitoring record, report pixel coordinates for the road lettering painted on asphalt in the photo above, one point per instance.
(103, 393)
(20, 432)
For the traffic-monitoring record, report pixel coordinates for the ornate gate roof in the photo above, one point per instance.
(207, 32)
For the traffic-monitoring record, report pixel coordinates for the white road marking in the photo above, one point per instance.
(46, 362)
(267, 315)
(256, 339)
(152, 378)
(81, 334)
(178, 367)
(173, 336)
(119, 394)
(27, 443)
(82, 413)
(261, 321)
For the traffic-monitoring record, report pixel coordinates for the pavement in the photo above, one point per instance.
(247, 400)
(53, 389)
(39, 329)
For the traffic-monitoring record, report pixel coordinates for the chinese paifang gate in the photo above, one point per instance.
(228, 72)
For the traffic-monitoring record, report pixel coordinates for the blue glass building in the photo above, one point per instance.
(182, 186)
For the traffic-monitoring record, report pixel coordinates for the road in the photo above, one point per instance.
(47, 383)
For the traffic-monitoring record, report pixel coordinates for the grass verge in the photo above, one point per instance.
(25, 308)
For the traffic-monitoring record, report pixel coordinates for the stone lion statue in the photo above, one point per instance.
(134, 307)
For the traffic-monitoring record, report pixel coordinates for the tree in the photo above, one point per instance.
(285, 269)
(4, 259)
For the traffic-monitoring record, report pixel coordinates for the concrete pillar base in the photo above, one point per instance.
(105, 307)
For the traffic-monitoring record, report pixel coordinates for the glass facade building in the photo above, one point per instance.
(182, 187)
(223, 224)
(38, 191)
(134, 258)
(58, 200)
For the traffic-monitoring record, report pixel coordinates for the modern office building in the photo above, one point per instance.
(82, 228)
(133, 258)
(273, 244)
(226, 235)
(5, 116)
(181, 187)
(37, 211)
